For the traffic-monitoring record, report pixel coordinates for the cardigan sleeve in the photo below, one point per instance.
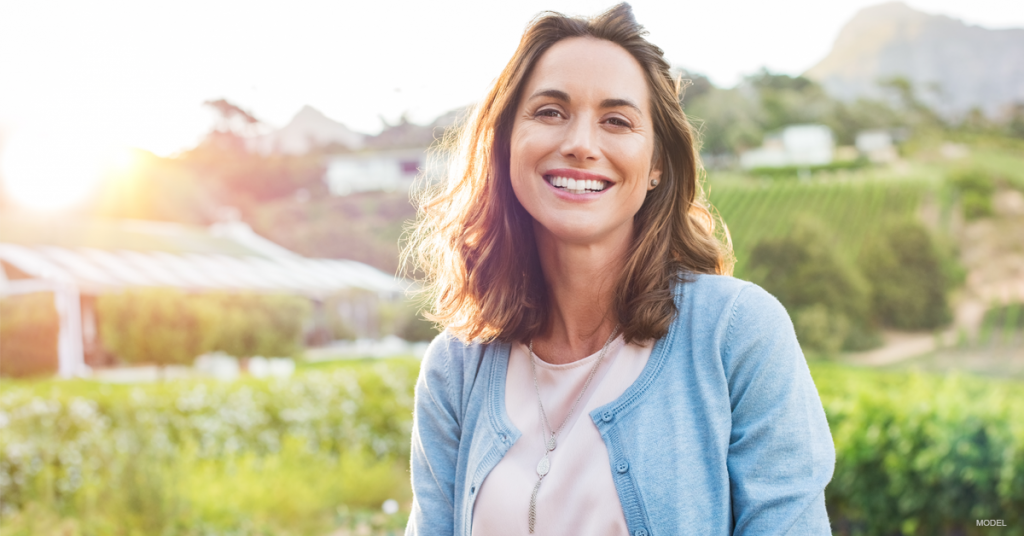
(436, 432)
(780, 454)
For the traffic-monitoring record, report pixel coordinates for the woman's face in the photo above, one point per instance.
(583, 142)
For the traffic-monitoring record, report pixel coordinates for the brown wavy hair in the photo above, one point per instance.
(473, 241)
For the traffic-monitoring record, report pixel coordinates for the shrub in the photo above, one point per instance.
(167, 326)
(191, 457)
(158, 326)
(975, 187)
(922, 454)
(827, 296)
(907, 277)
(29, 327)
(246, 325)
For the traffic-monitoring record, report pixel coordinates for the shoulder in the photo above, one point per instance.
(731, 310)
(449, 365)
(726, 295)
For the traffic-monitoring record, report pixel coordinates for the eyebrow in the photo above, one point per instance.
(607, 103)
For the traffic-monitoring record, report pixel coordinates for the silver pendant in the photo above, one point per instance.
(543, 466)
(551, 443)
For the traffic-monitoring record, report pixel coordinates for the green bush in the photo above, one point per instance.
(976, 205)
(249, 457)
(976, 187)
(907, 277)
(167, 326)
(922, 454)
(29, 327)
(827, 297)
(915, 454)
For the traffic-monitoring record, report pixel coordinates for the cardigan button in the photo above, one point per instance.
(622, 466)
(606, 416)
(640, 532)
(472, 490)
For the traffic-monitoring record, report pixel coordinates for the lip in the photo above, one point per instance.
(577, 174)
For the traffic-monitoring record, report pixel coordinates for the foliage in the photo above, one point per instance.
(733, 120)
(908, 282)
(915, 454)
(784, 172)
(923, 454)
(414, 327)
(854, 210)
(1001, 325)
(975, 187)
(168, 326)
(825, 294)
(29, 326)
(282, 456)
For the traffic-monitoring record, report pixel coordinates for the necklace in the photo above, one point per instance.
(544, 466)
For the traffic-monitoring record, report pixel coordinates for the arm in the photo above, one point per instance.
(780, 451)
(436, 432)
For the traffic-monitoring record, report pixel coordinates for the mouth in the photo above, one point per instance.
(577, 186)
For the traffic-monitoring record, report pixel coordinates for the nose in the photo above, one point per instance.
(580, 140)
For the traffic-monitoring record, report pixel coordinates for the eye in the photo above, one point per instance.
(549, 112)
(618, 122)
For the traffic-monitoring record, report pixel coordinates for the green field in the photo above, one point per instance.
(852, 209)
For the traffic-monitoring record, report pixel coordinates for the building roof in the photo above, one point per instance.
(106, 256)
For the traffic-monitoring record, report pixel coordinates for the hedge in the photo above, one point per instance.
(920, 454)
(296, 456)
(916, 454)
(168, 326)
(29, 326)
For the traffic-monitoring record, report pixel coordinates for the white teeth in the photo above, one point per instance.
(578, 186)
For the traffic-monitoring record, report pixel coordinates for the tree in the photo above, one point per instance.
(907, 276)
(827, 297)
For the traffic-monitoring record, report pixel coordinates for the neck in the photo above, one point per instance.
(581, 282)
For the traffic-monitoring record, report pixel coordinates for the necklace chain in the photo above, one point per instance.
(552, 440)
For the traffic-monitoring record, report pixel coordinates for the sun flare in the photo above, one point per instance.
(43, 174)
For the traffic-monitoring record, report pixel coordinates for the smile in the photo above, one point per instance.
(575, 186)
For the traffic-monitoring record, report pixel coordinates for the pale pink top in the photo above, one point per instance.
(578, 495)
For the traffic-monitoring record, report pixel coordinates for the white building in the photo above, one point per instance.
(876, 145)
(796, 145)
(389, 171)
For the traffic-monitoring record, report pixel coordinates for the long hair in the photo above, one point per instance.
(474, 242)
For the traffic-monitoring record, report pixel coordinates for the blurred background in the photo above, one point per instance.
(203, 325)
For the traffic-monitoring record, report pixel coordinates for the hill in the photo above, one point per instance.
(970, 66)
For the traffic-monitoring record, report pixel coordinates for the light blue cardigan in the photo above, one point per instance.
(722, 433)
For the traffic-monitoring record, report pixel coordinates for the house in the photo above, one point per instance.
(77, 261)
(877, 146)
(796, 145)
(387, 170)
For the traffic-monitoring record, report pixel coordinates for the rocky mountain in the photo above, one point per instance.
(955, 66)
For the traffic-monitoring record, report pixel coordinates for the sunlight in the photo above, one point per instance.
(42, 173)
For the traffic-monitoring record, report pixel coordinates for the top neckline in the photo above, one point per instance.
(614, 346)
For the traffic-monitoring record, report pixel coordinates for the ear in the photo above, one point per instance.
(655, 174)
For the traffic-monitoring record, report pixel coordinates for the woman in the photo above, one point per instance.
(599, 374)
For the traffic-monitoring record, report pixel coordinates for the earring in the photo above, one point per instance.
(654, 183)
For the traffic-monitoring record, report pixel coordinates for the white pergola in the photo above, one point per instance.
(70, 272)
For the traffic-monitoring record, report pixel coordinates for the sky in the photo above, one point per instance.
(89, 76)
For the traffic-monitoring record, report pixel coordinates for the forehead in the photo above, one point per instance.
(590, 69)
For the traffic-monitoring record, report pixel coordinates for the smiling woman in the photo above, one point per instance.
(573, 262)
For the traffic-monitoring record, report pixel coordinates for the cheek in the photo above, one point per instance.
(523, 157)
